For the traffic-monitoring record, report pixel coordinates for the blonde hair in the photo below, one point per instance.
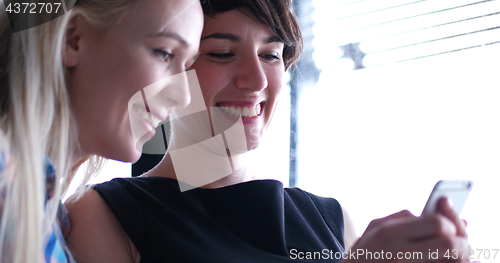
(35, 119)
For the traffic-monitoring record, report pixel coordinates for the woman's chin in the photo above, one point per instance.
(134, 157)
(130, 155)
(253, 142)
(252, 147)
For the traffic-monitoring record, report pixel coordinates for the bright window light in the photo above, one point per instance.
(377, 139)
(432, 48)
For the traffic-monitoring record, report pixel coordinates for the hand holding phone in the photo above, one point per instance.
(456, 190)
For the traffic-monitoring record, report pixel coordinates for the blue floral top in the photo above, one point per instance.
(56, 250)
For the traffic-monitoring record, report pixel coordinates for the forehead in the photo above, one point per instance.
(152, 16)
(240, 22)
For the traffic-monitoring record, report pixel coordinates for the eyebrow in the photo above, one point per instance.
(273, 39)
(173, 36)
(236, 38)
(226, 36)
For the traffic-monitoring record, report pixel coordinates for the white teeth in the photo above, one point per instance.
(147, 116)
(244, 112)
(253, 112)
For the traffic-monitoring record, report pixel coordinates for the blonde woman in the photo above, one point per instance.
(70, 91)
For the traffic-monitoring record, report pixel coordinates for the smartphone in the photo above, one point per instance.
(456, 190)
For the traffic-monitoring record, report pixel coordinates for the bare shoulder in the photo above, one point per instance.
(96, 234)
(350, 234)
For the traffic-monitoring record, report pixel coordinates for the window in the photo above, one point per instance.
(408, 94)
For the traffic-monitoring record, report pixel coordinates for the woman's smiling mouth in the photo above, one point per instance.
(150, 118)
(241, 110)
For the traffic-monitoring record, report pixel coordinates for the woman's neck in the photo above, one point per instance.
(202, 172)
(77, 157)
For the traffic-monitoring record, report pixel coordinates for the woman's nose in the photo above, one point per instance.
(251, 74)
(177, 92)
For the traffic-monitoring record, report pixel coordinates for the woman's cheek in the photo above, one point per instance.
(275, 86)
(212, 84)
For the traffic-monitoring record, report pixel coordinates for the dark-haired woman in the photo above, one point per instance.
(230, 216)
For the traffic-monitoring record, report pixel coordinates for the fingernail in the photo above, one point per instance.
(450, 202)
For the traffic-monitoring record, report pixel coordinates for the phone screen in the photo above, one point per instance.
(457, 191)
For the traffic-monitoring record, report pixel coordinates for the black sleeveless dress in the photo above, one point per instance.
(256, 221)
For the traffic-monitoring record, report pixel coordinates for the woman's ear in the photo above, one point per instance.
(72, 47)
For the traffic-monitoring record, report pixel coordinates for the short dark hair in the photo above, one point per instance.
(277, 14)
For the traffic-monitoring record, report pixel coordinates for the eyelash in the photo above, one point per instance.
(270, 57)
(221, 56)
(163, 54)
(226, 56)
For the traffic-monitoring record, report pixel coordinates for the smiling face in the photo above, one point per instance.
(110, 70)
(240, 70)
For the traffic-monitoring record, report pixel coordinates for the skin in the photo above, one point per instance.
(108, 67)
(131, 57)
(248, 60)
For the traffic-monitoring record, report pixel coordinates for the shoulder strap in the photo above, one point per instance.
(331, 211)
(125, 207)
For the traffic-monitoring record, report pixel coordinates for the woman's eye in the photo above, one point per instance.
(164, 55)
(270, 57)
(221, 56)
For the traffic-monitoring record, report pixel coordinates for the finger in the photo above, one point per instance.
(446, 209)
(418, 228)
(401, 214)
